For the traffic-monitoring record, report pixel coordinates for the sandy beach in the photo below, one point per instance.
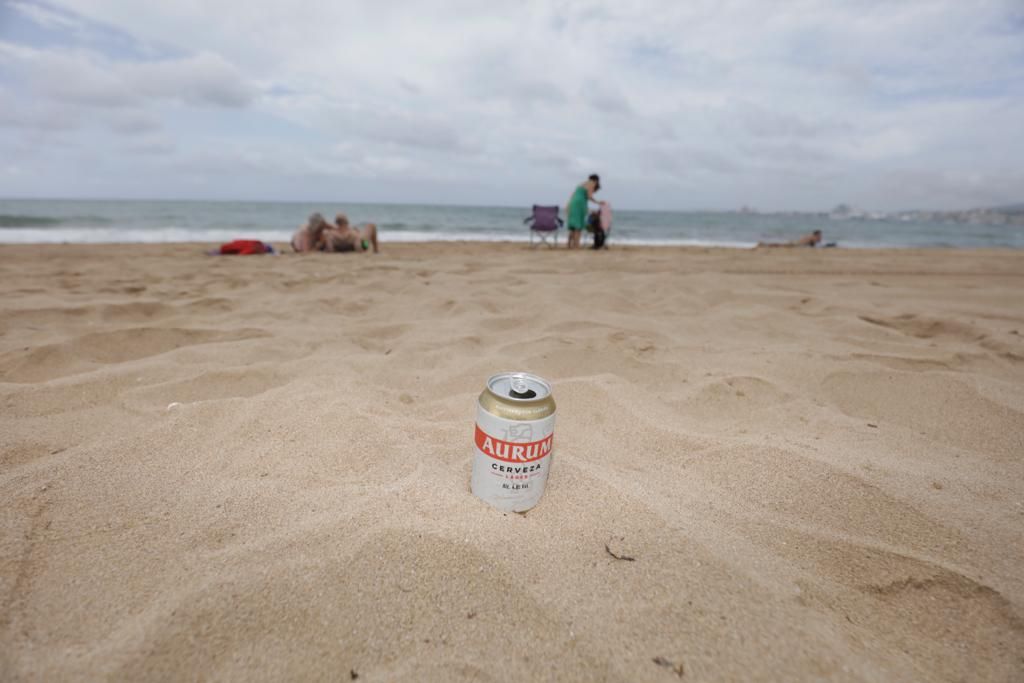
(257, 468)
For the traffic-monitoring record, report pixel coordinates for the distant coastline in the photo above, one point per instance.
(998, 215)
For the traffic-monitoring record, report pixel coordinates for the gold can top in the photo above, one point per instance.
(519, 386)
(518, 396)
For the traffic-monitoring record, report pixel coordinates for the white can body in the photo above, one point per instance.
(511, 460)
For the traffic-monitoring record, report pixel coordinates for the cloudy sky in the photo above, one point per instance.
(679, 105)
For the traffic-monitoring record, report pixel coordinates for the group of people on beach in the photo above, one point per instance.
(319, 235)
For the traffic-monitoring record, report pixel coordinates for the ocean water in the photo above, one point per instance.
(97, 221)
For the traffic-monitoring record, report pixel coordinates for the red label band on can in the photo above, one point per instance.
(513, 441)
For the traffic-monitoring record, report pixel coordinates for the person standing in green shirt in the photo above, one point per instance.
(577, 208)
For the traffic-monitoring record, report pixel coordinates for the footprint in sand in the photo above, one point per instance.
(374, 580)
(734, 398)
(953, 626)
(210, 386)
(926, 328)
(86, 352)
(921, 327)
(937, 406)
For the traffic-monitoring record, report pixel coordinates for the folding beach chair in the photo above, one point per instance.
(545, 224)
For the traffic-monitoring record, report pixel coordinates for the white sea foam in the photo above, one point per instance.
(72, 235)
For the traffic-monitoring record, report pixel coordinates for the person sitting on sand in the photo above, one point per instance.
(310, 237)
(343, 237)
(809, 240)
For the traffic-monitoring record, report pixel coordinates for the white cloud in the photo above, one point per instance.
(20, 114)
(133, 122)
(910, 187)
(84, 77)
(46, 16)
(153, 144)
(718, 98)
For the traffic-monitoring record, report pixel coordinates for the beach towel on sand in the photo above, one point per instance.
(246, 248)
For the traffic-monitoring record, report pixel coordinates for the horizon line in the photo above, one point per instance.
(741, 209)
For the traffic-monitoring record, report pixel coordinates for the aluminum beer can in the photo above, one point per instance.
(515, 429)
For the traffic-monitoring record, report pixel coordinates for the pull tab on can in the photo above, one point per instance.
(519, 388)
(513, 440)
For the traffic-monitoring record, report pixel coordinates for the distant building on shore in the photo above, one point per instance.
(1007, 215)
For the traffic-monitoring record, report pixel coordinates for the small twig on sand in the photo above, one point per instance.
(627, 558)
(677, 669)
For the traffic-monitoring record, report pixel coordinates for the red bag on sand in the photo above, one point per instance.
(244, 247)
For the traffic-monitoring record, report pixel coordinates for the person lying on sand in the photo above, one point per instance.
(343, 237)
(310, 237)
(809, 240)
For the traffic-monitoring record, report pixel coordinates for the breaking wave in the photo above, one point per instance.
(15, 220)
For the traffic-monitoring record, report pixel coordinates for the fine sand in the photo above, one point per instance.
(257, 468)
